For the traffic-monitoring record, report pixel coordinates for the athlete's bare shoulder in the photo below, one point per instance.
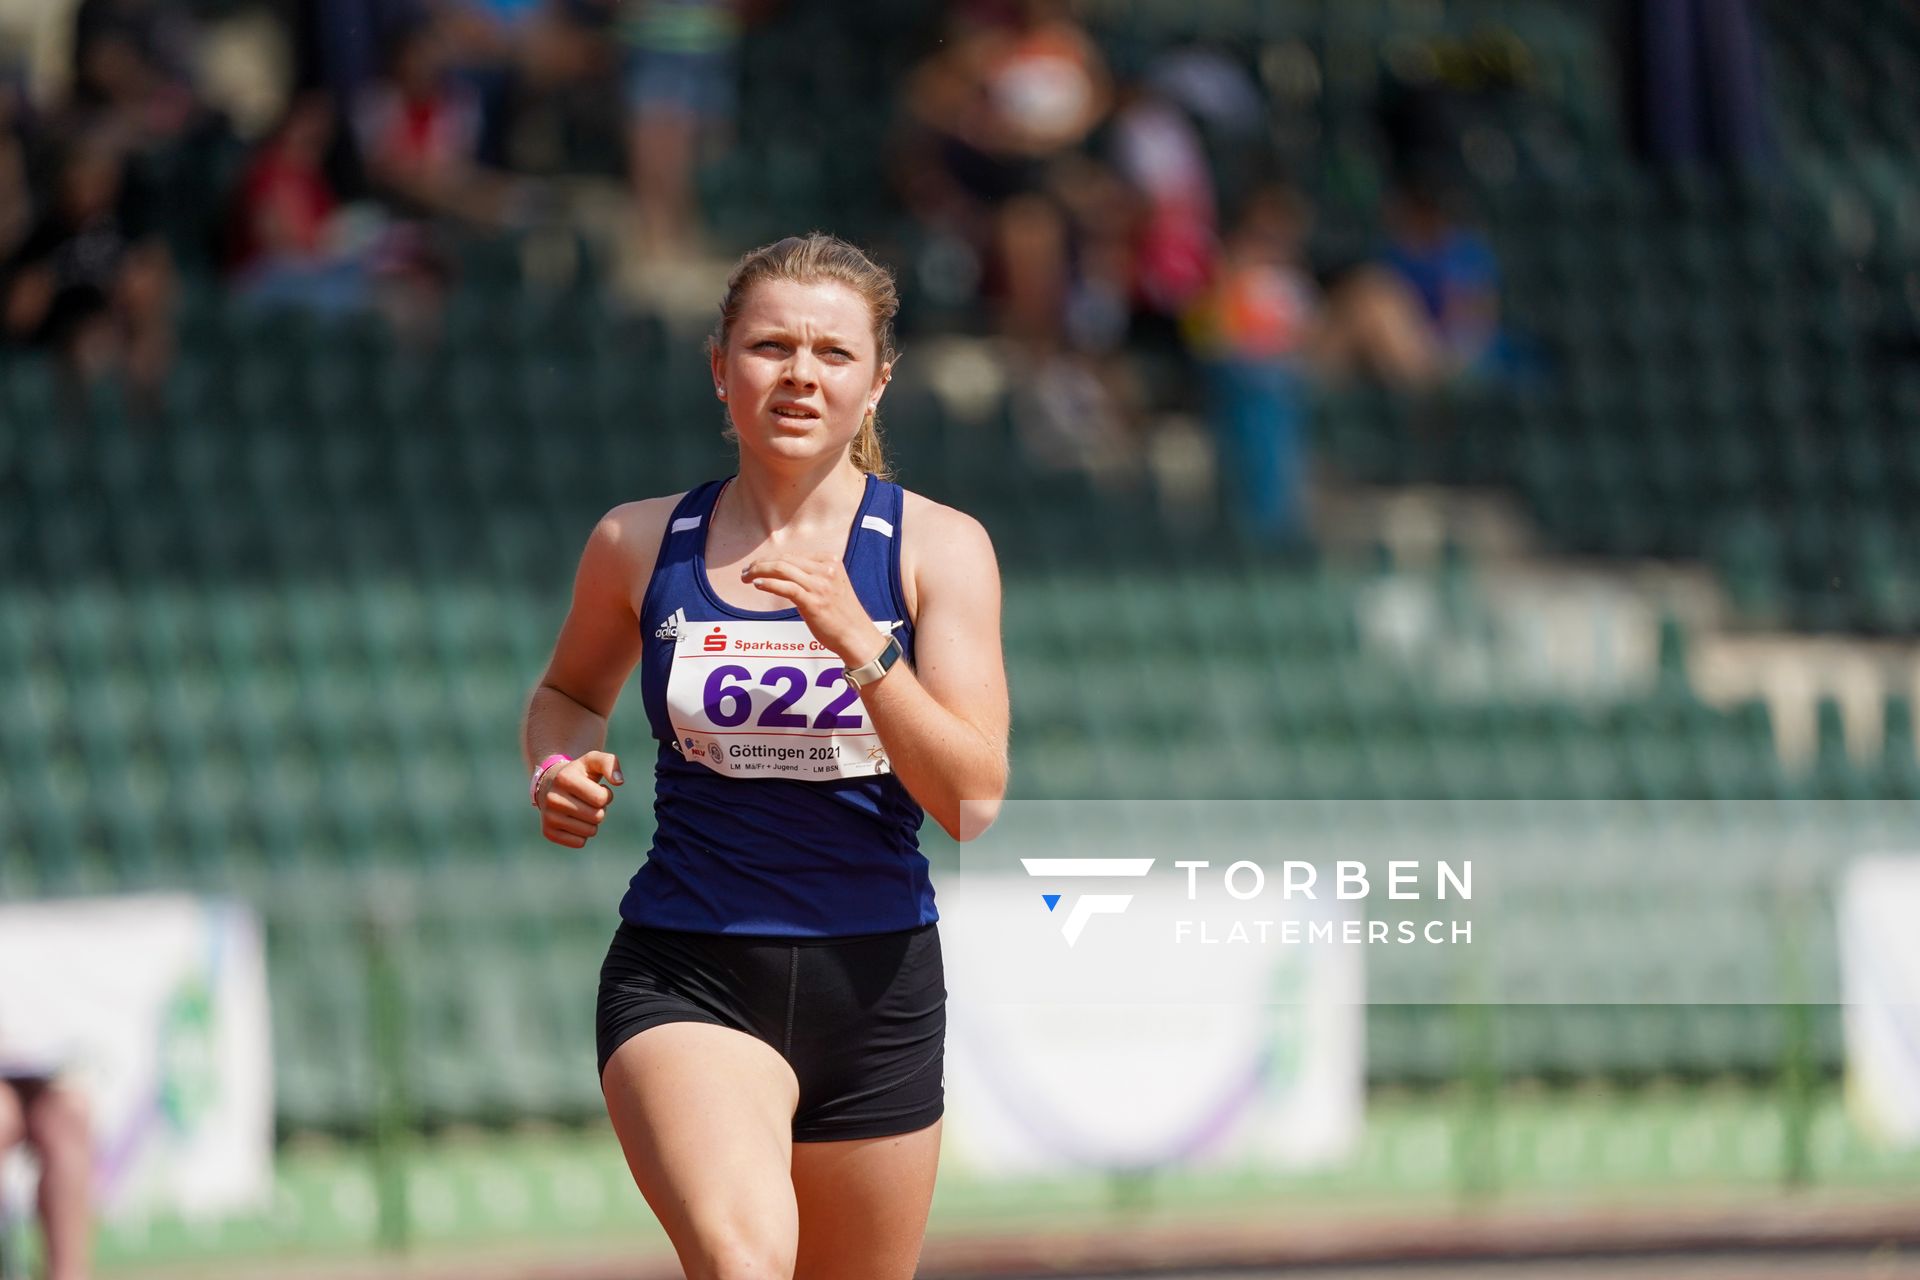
(941, 540)
(629, 535)
(938, 521)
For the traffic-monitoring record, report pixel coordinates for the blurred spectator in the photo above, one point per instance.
(1188, 137)
(1451, 270)
(133, 58)
(680, 80)
(544, 71)
(133, 84)
(51, 1119)
(997, 169)
(296, 244)
(486, 41)
(419, 136)
(1255, 331)
(1267, 331)
(1364, 321)
(345, 45)
(1159, 151)
(287, 201)
(16, 195)
(1160, 143)
(88, 281)
(1077, 395)
(998, 109)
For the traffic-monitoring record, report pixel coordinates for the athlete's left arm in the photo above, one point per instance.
(943, 720)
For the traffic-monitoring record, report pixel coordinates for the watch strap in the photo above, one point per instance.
(867, 673)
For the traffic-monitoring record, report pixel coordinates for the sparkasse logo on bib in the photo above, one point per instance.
(716, 641)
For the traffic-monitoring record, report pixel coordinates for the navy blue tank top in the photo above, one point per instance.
(775, 808)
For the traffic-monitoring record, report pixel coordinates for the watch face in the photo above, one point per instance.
(867, 674)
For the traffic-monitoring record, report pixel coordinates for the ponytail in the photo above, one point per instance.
(868, 454)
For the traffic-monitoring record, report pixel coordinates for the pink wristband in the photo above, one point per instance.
(533, 792)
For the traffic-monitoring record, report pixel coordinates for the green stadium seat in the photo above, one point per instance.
(1899, 765)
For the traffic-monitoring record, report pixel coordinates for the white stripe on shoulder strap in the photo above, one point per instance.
(685, 523)
(876, 524)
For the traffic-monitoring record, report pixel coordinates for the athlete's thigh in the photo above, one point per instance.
(705, 1116)
(863, 1204)
(13, 1117)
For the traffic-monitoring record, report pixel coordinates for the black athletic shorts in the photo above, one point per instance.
(861, 1020)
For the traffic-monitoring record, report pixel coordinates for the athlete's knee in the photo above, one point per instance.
(737, 1250)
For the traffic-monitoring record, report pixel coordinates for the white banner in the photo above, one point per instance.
(156, 1009)
(1267, 1073)
(1880, 982)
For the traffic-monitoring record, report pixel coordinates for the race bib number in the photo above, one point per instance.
(757, 699)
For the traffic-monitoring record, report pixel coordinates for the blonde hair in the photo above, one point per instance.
(810, 259)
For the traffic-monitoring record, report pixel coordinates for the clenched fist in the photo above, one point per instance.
(573, 802)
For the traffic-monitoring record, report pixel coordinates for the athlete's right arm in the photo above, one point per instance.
(599, 646)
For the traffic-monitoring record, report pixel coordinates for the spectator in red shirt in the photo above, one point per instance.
(287, 242)
(286, 199)
(419, 133)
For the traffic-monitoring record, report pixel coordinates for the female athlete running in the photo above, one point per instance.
(820, 662)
